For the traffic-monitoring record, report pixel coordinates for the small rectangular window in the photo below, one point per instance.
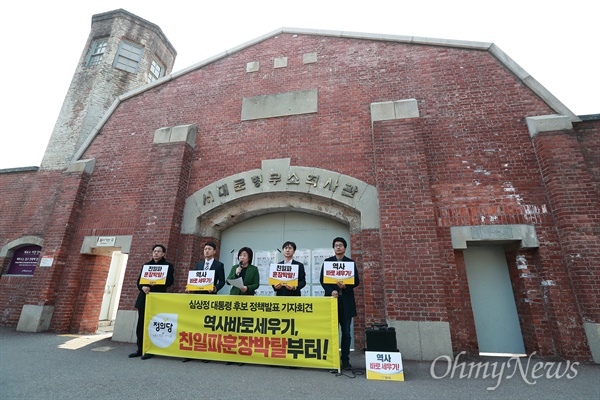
(97, 51)
(128, 57)
(156, 71)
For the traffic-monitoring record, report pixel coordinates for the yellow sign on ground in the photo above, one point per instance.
(290, 331)
(384, 366)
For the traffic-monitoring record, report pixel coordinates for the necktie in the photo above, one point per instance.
(206, 266)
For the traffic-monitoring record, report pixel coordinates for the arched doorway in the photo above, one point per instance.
(266, 233)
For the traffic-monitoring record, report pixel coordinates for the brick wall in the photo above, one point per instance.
(467, 160)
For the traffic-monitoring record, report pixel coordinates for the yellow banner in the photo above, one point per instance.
(290, 331)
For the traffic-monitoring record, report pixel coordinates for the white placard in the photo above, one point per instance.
(334, 271)
(282, 273)
(155, 274)
(46, 262)
(201, 279)
(384, 366)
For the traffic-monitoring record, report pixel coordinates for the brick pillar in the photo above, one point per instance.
(39, 313)
(92, 274)
(414, 280)
(574, 290)
(529, 296)
(161, 208)
(366, 252)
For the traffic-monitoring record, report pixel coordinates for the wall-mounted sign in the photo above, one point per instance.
(24, 260)
(46, 261)
(106, 241)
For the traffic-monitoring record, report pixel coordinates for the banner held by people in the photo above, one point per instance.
(287, 331)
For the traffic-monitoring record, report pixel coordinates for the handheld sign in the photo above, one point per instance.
(154, 274)
(284, 274)
(384, 366)
(334, 271)
(201, 280)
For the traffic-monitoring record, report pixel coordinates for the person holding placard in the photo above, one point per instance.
(281, 289)
(339, 277)
(210, 264)
(156, 276)
(243, 277)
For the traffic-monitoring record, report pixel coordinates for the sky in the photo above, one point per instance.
(555, 41)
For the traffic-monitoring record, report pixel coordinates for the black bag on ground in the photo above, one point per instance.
(381, 338)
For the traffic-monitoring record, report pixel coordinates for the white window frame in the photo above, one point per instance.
(154, 66)
(97, 50)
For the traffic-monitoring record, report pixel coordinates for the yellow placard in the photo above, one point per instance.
(284, 274)
(290, 331)
(336, 271)
(154, 274)
(384, 366)
(195, 288)
(200, 280)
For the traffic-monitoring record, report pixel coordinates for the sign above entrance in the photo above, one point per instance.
(106, 241)
(292, 180)
(278, 176)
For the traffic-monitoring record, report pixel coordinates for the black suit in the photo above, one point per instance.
(346, 306)
(219, 269)
(140, 303)
(283, 291)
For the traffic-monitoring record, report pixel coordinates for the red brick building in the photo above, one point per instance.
(450, 171)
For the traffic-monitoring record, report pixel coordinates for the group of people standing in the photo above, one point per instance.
(251, 281)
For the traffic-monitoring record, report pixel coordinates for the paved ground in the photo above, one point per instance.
(58, 367)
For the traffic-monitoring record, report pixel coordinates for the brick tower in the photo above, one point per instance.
(122, 53)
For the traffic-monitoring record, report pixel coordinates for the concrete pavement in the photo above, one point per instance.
(58, 367)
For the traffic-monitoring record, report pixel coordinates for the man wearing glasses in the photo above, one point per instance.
(345, 295)
(158, 258)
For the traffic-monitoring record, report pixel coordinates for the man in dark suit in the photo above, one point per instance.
(345, 295)
(289, 248)
(158, 258)
(208, 263)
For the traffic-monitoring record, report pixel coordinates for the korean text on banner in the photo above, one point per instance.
(154, 274)
(334, 271)
(290, 331)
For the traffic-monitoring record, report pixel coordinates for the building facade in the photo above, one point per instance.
(468, 194)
